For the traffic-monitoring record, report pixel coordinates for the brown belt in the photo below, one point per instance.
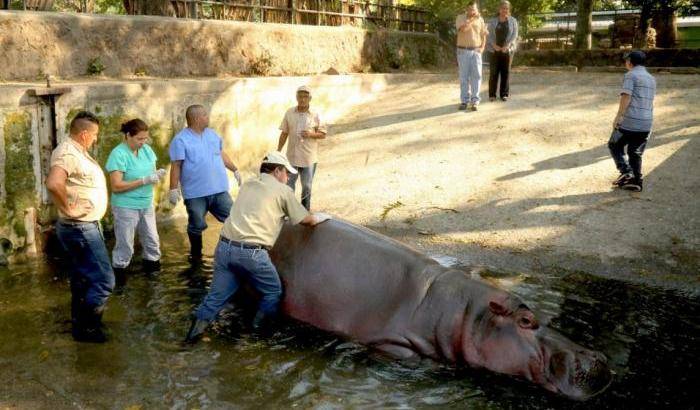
(243, 245)
(468, 48)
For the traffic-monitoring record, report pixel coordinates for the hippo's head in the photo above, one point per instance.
(507, 338)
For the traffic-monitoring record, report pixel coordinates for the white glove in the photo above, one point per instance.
(237, 175)
(174, 196)
(321, 217)
(154, 177)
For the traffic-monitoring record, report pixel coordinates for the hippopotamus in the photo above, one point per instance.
(369, 288)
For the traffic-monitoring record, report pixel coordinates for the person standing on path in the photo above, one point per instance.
(199, 170)
(632, 124)
(302, 129)
(471, 40)
(132, 175)
(248, 234)
(78, 188)
(501, 44)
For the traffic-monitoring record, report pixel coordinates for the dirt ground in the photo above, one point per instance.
(523, 185)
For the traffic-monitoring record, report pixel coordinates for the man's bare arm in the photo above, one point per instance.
(282, 140)
(175, 170)
(56, 185)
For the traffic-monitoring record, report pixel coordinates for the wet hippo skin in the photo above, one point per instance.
(364, 286)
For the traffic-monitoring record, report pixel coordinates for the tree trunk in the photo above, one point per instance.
(640, 38)
(150, 7)
(664, 21)
(584, 24)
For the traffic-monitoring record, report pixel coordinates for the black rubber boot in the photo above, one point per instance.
(195, 247)
(88, 325)
(196, 331)
(263, 323)
(150, 266)
(119, 277)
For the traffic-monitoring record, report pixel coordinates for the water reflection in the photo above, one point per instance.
(650, 336)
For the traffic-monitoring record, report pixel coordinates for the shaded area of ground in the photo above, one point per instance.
(526, 182)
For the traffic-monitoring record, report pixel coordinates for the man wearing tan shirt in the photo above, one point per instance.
(301, 129)
(78, 188)
(471, 40)
(248, 233)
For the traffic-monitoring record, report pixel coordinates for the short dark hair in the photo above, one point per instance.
(636, 57)
(473, 3)
(191, 112)
(82, 121)
(133, 127)
(267, 168)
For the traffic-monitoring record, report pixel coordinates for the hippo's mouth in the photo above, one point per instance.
(578, 376)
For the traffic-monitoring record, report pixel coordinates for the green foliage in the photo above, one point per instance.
(95, 66)
(98, 6)
(262, 64)
(19, 169)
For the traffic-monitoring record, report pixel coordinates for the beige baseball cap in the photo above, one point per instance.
(305, 89)
(274, 157)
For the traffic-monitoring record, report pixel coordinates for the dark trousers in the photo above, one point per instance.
(91, 278)
(636, 142)
(6, 4)
(218, 204)
(499, 66)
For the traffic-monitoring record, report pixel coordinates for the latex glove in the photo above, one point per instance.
(237, 175)
(321, 217)
(154, 177)
(174, 196)
(161, 173)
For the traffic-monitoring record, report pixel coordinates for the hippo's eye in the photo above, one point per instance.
(528, 323)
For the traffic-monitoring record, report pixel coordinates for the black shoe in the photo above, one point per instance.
(462, 107)
(195, 247)
(150, 266)
(263, 323)
(473, 107)
(623, 179)
(504, 98)
(634, 185)
(492, 99)
(196, 331)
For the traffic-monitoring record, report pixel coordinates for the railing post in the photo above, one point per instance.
(292, 11)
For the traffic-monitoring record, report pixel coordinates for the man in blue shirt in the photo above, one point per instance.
(199, 171)
(632, 124)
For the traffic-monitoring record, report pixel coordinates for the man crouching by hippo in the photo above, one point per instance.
(248, 233)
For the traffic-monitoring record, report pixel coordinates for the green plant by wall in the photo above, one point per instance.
(262, 64)
(19, 170)
(95, 66)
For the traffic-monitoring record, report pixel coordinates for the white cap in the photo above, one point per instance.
(274, 157)
(305, 89)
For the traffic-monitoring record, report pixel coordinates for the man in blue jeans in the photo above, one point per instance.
(248, 233)
(471, 40)
(632, 124)
(301, 129)
(198, 166)
(78, 188)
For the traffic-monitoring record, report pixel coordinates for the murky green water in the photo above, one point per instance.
(652, 338)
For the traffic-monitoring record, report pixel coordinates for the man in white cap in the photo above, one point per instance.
(302, 129)
(248, 233)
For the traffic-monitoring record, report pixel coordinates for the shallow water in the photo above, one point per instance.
(650, 336)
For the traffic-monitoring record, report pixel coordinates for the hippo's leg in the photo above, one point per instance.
(397, 351)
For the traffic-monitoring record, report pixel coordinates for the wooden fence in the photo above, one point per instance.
(311, 12)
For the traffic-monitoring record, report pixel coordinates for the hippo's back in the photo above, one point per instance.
(347, 279)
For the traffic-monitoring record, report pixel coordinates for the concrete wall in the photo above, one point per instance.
(65, 45)
(245, 111)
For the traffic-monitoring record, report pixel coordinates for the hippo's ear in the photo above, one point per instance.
(498, 309)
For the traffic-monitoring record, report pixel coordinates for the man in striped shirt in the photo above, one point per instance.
(632, 124)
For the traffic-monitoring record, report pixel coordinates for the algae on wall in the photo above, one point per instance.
(19, 171)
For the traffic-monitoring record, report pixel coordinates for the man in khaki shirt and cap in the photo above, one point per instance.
(248, 233)
(78, 188)
(471, 40)
(302, 129)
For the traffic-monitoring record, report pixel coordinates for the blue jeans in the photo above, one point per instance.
(232, 263)
(306, 175)
(469, 63)
(218, 204)
(92, 278)
(635, 142)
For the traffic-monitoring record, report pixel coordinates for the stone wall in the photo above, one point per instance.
(245, 111)
(67, 45)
